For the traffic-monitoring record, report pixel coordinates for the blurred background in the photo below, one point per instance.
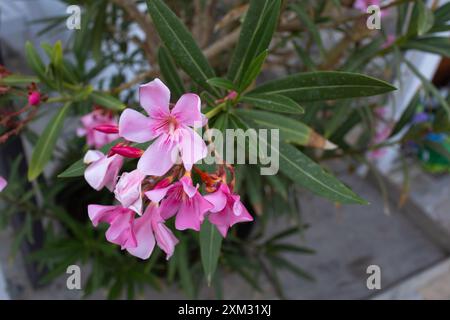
(405, 230)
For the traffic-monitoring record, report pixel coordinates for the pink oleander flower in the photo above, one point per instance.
(184, 200)
(120, 222)
(147, 228)
(228, 209)
(102, 171)
(97, 118)
(171, 129)
(3, 183)
(128, 190)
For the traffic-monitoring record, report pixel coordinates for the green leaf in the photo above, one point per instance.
(437, 45)
(18, 79)
(425, 19)
(186, 279)
(210, 244)
(273, 102)
(257, 31)
(429, 87)
(361, 55)
(325, 85)
(107, 101)
(180, 43)
(305, 172)
(290, 130)
(253, 71)
(170, 73)
(222, 83)
(46, 143)
(36, 64)
(309, 24)
(406, 116)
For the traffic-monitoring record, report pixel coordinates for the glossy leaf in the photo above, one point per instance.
(325, 85)
(18, 79)
(273, 102)
(107, 101)
(170, 73)
(210, 244)
(46, 143)
(257, 31)
(180, 43)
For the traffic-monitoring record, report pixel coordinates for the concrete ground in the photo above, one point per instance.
(347, 240)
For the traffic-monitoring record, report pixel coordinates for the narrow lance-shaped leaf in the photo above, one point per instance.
(257, 31)
(107, 101)
(253, 71)
(305, 172)
(303, 15)
(273, 102)
(291, 130)
(180, 43)
(325, 85)
(35, 63)
(46, 143)
(425, 18)
(18, 79)
(210, 244)
(222, 83)
(170, 73)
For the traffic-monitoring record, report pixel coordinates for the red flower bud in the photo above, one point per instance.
(127, 151)
(107, 128)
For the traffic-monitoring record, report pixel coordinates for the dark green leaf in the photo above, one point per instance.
(46, 143)
(273, 102)
(210, 244)
(325, 85)
(107, 101)
(170, 74)
(180, 43)
(257, 31)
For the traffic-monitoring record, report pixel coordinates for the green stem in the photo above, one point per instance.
(216, 110)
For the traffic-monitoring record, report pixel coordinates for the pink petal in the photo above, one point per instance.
(144, 235)
(136, 127)
(3, 183)
(164, 236)
(120, 231)
(193, 148)
(240, 214)
(221, 220)
(188, 188)
(92, 155)
(187, 110)
(170, 205)
(191, 213)
(218, 199)
(98, 213)
(158, 158)
(128, 190)
(155, 98)
(101, 172)
(157, 194)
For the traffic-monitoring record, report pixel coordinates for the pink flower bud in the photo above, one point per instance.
(34, 98)
(127, 151)
(107, 128)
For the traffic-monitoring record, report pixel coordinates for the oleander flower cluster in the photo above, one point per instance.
(161, 188)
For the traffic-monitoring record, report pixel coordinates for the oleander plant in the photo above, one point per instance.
(127, 177)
